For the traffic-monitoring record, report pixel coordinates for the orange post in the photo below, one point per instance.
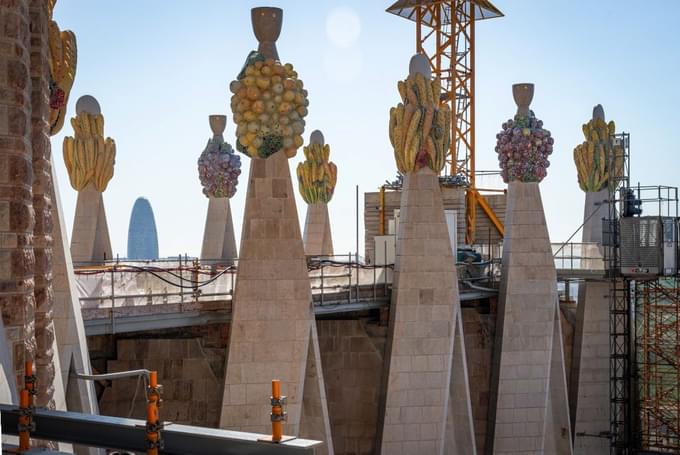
(24, 421)
(277, 411)
(29, 381)
(153, 426)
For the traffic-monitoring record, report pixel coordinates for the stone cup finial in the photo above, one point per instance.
(218, 123)
(598, 112)
(420, 64)
(316, 138)
(523, 94)
(267, 23)
(89, 104)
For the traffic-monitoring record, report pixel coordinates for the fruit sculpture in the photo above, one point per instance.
(316, 175)
(62, 60)
(420, 125)
(523, 146)
(88, 156)
(269, 106)
(218, 169)
(597, 158)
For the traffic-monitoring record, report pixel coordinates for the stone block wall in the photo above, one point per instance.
(190, 365)
(17, 219)
(479, 330)
(352, 353)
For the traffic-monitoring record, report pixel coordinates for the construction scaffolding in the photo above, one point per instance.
(657, 305)
(620, 346)
(641, 257)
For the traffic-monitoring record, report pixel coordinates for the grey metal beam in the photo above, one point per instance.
(159, 321)
(332, 305)
(129, 434)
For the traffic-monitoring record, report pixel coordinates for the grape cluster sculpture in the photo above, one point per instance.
(523, 147)
(269, 105)
(316, 175)
(89, 158)
(218, 169)
(597, 158)
(420, 125)
(63, 59)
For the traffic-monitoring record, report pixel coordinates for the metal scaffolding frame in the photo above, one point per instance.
(644, 331)
(657, 305)
(620, 309)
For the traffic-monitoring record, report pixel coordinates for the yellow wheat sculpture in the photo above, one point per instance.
(88, 156)
(63, 60)
(420, 126)
(316, 175)
(598, 160)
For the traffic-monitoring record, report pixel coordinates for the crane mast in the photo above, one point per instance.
(445, 33)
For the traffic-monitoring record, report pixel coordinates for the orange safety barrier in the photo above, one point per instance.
(26, 424)
(277, 411)
(153, 425)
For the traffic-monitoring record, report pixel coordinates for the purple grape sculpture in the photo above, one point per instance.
(218, 165)
(523, 146)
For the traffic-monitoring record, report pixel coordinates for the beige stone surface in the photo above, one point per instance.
(589, 392)
(479, 329)
(68, 319)
(425, 381)
(219, 242)
(352, 353)
(90, 240)
(314, 419)
(460, 434)
(272, 316)
(529, 399)
(191, 389)
(317, 234)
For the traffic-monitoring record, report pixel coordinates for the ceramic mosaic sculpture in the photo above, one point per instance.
(317, 175)
(528, 397)
(269, 102)
(218, 169)
(316, 178)
(218, 166)
(88, 156)
(63, 61)
(274, 331)
(426, 407)
(523, 146)
(598, 156)
(89, 160)
(420, 124)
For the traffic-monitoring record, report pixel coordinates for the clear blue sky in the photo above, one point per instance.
(160, 67)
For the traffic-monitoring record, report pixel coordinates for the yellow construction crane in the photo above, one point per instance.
(445, 33)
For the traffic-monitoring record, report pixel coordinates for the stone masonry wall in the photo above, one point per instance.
(352, 353)
(42, 204)
(17, 301)
(479, 330)
(190, 365)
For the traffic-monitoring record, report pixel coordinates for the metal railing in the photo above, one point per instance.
(189, 281)
(578, 256)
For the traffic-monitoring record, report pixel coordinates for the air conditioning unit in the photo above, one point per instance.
(641, 246)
